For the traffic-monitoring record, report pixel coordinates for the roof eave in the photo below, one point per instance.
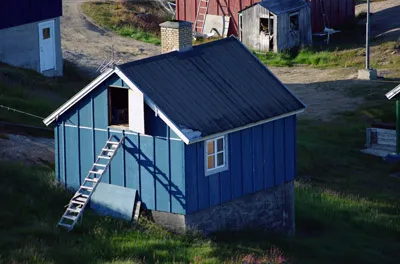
(246, 126)
(77, 97)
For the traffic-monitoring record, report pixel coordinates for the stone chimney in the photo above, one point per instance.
(176, 35)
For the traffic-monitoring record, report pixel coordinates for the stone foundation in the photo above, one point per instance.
(271, 209)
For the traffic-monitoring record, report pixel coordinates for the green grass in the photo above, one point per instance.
(121, 18)
(347, 210)
(381, 57)
(31, 92)
(137, 33)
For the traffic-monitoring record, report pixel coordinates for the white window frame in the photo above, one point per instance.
(216, 169)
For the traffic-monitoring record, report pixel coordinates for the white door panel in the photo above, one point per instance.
(47, 45)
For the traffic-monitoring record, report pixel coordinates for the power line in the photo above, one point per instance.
(21, 112)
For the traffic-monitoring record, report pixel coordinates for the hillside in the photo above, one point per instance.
(347, 206)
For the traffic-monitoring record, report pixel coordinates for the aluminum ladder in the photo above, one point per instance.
(77, 204)
(201, 16)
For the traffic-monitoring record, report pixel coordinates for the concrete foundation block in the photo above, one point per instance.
(367, 74)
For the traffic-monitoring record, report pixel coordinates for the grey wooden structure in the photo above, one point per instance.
(275, 25)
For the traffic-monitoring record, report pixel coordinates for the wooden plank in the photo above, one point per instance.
(132, 158)
(147, 171)
(100, 138)
(247, 161)
(269, 158)
(117, 176)
(100, 106)
(226, 185)
(71, 157)
(57, 151)
(235, 161)
(86, 157)
(258, 163)
(290, 154)
(178, 203)
(191, 171)
(85, 112)
(63, 158)
(162, 174)
(279, 152)
(202, 180)
(215, 191)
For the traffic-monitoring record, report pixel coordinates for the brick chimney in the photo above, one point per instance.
(176, 35)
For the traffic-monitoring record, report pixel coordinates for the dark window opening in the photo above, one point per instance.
(46, 33)
(267, 26)
(118, 107)
(294, 22)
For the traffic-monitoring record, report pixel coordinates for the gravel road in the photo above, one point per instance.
(87, 45)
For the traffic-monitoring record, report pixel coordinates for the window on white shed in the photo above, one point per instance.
(216, 155)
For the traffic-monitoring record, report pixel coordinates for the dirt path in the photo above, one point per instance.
(27, 150)
(324, 91)
(87, 45)
(385, 20)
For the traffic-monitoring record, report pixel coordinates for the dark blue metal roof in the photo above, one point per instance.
(214, 87)
(18, 12)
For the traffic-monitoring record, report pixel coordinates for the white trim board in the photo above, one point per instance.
(77, 97)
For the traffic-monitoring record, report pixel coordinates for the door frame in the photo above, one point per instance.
(41, 25)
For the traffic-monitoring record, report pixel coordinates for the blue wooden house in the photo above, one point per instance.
(208, 135)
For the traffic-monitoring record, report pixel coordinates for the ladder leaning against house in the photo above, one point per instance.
(201, 16)
(77, 204)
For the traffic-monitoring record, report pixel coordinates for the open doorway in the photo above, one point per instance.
(118, 107)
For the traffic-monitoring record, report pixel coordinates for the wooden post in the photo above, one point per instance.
(397, 124)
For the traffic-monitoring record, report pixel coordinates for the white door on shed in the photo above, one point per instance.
(47, 46)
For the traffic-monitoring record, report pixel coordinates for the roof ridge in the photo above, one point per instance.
(173, 53)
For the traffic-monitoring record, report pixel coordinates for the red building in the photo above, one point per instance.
(338, 12)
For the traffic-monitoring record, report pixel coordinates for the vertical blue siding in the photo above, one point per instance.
(147, 170)
(85, 112)
(132, 159)
(72, 157)
(178, 199)
(86, 157)
(225, 181)
(203, 190)
(154, 166)
(279, 151)
(191, 182)
(235, 163)
(117, 176)
(61, 144)
(259, 158)
(290, 148)
(269, 161)
(247, 161)
(56, 152)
